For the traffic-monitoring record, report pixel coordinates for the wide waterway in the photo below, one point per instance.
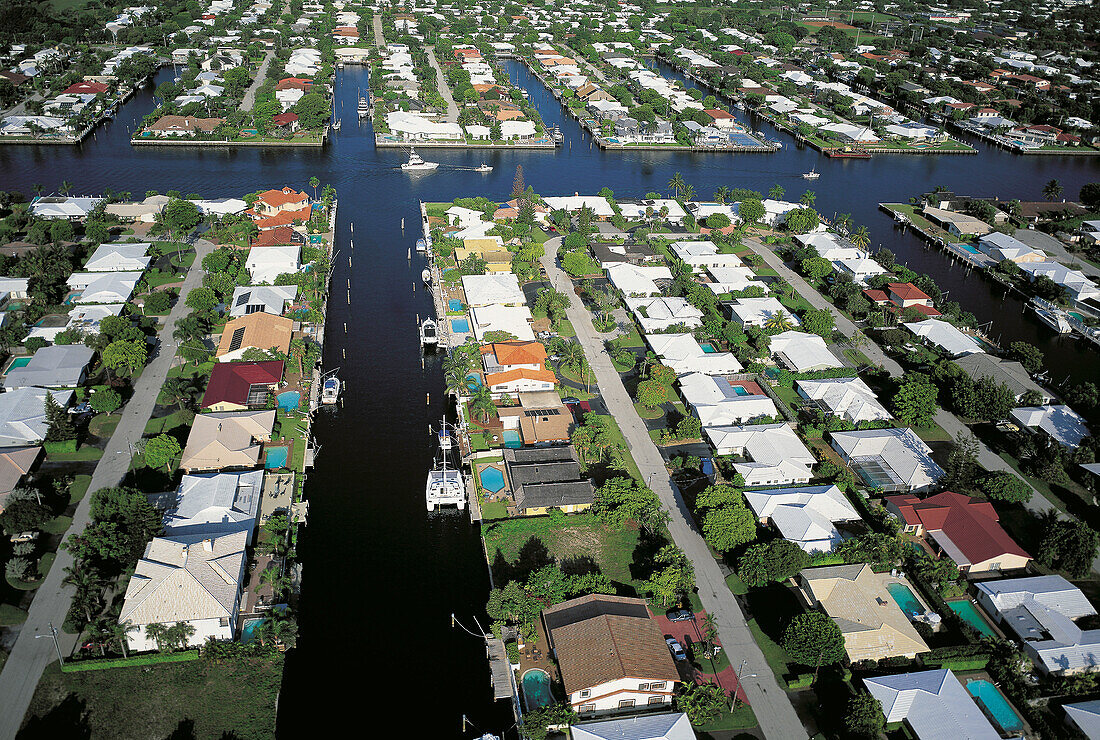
(382, 576)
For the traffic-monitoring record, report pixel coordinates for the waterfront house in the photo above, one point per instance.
(599, 206)
(23, 415)
(274, 202)
(964, 528)
(756, 311)
(226, 440)
(119, 258)
(266, 264)
(611, 254)
(56, 366)
(933, 704)
(611, 654)
(774, 455)
(657, 314)
(635, 281)
(857, 599)
(540, 418)
(271, 299)
(104, 287)
(501, 289)
(214, 504)
(1004, 247)
(1061, 423)
(888, 459)
(844, 398)
(489, 248)
(702, 255)
(545, 478)
(907, 295)
(1077, 285)
(194, 579)
(15, 462)
(1041, 611)
(238, 386)
(183, 125)
(718, 401)
(684, 354)
(60, 207)
(802, 352)
(1002, 371)
(804, 515)
(671, 726)
(511, 367)
(957, 224)
(1084, 716)
(144, 211)
(945, 336)
(262, 331)
(513, 320)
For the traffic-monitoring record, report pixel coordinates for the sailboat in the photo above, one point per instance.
(417, 163)
(445, 485)
(336, 125)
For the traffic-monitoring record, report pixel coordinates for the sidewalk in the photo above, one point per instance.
(30, 656)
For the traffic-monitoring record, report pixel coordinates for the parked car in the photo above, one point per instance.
(675, 648)
(570, 401)
(680, 615)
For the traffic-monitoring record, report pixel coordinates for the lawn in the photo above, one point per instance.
(10, 614)
(494, 510)
(233, 697)
(103, 425)
(178, 418)
(775, 655)
(79, 488)
(84, 454)
(741, 718)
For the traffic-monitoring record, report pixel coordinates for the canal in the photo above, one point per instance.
(382, 576)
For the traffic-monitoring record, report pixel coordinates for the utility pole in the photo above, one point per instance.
(56, 646)
(740, 669)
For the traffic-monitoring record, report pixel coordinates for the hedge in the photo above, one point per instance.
(100, 664)
(959, 664)
(65, 445)
(800, 681)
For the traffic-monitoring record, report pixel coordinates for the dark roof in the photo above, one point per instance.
(555, 471)
(231, 381)
(560, 495)
(522, 455)
(594, 605)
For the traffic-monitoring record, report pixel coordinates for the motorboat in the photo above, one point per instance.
(483, 168)
(429, 333)
(330, 391)
(1055, 319)
(739, 105)
(426, 276)
(445, 485)
(557, 135)
(813, 174)
(336, 125)
(421, 245)
(364, 107)
(416, 163)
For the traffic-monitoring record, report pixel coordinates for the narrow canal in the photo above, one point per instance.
(382, 576)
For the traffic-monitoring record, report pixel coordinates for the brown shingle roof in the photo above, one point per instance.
(610, 647)
(261, 330)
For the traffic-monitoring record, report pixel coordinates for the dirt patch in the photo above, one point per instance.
(579, 541)
(834, 24)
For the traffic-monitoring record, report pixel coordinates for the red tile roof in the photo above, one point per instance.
(908, 292)
(231, 381)
(971, 524)
(283, 218)
(284, 118)
(295, 83)
(85, 88)
(718, 114)
(280, 236)
(279, 198)
(876, 296)
(926, 310)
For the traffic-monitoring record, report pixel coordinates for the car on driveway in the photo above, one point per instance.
(675, 648)
(680, 615)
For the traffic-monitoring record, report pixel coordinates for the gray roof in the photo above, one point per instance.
(23, 415)
(652, 727)
(547, 476)
(561, 494)
(1009, 372)
(934, 704)
(1085, 714)
(56, 366)
(267, 298)
(1054, 591)
(216, 503)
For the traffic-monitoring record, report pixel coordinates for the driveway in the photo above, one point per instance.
(51, 603)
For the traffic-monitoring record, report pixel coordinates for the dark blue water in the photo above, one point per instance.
(382, 577)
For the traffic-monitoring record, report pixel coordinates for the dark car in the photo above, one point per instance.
(570, 401)
(680, 615)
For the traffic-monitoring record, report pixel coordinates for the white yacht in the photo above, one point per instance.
(445, 485)
(364, 107)
(330, 391)
(426, 276)
(813, 174)
(1057, 320)
(416, 163)
(483, 168)
(429, 333)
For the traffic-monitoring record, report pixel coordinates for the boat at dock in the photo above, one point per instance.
(813, 174)
(364, 107)
(330, 391)
(847, 152)
(429, 333)
(336, 125)
(421, 245)
(445, 485)
(416, 163)
(1051, 315)
(426, 276)
(557, 135)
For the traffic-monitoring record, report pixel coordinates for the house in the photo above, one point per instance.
(286, 121)
(857, 599)
(513, 320)
(119, 258)
(194, 579)
(806, 515)
(802, 352)
(489, 248)
(501, 289)
(718, 401)
(15, 462)
(611, 654)
(274, 202)
(907, 295)
(635, 281)
(1004, 247)
(702, 255)
(272, 299)
(541, 418)
(104, 287)
(1085, 717)
(23, 415)
(758, 311)
(844, 398)
(1001, 371)
(611, 254)
(1079, 287)
(59, 207)
(183, 125)
(56, 366)
(945, 336)
(933, 704)
(545, 478)
(1041, 612)
(215, 504)
(239, 386)
(511, 367)
(888, 459)
(775, 456)
(671, 726)
(262, 331)
(267, 264)
(684, 354)
(964, 528)
(227, 439)
(957, 224)
(1061, 423)
(280, 236)
(657, 314)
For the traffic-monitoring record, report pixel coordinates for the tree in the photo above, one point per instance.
(814, 640)
(778, 322)
(120, 632)
(702, 702)
(771, 562)
(537, 721)
(313, 183)
(518, 185)
(815, 268)
(1090, 196)
(729, 527)
(123, 354)
(861, 237)
(201, 299)
(158, 302)
(818, 321)
(1004, 486)
(623, 499)
(180, 217)
(1052, 190)
(97, 232)
(24, 515)
(962, 464)
(1070, 546)
(676, 184)
(718, 221)
(59, 427)
(721, 194)
(776, 192)
(915, 402)
(1028, 355)
(864, 717)
(106, 401)
(161, 450)
(673, 577)
(651, 394)
(158, 633)
(312, 110)
(802, 220)
(808, 199)
(481, 403)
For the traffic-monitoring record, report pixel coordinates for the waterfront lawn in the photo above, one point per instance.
(196, 699)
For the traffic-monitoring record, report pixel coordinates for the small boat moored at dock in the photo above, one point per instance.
(426, 276)
(330, 391)
(429, 333)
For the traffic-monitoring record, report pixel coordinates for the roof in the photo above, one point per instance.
(1053, 591)
(266, 298)
(260, 330)
(216, 503)
(116, 257)
(227, 439)
(55, 366)
(1009, 372)
(280, 236)
(946, 336)
(899, 450)
(185, 123)
(280, 198)
(908, 292)
(15, 462)
(1085, 714)
(494, 288)
(104, 287)
(547, 476)
(516, 353)
(645, 727)
(1061, 422)
(804, 515)
(933, 703)
(849, 398)
(231, 381)
(803, 352)
(967, 528)
(520, 373)
(23, 414)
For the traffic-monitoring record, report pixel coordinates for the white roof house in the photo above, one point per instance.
(23, 415)
(516, 320)
(804, 515)
(1041, 611)
(1061, 422)
(684, 354)
(271, 299)
(655, 314)
(702, 255)
(597, 204)
(776, 454)
(846, 398)
(945, 336)
(1080, 287)
(55, 366)
(674, 726)
(733, 279)
(463, 216)
(104, 287)
(63, 207)
(194, 579)
(500, 288)
(1004, 247)
(265, 264)
(718, 402)
(1085, 715)
(214, 504)
(890, 459)
(757, 311)
(934, 705)
(637, 280)
(803, 352)
(119, 258)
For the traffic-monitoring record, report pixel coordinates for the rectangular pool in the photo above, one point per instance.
(460, 326)
(512, 438)
(996, 705)
(905, 599)
(708, 347)
(968, 248)
(19, 362)
(969, 614)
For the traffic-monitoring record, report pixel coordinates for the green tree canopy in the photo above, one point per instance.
(814, 640)
(161, 450)
(771, 562)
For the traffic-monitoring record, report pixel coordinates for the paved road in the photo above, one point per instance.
(444, 88)
(261, 75)
(30, 656)
(589, 65)
(773, 707)
(1047, 243)
(379, 39)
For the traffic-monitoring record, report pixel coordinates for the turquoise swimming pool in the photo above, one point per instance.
(512, 438)
(454, 304)
(19, 362)
(968, 248)
(740, 390)
(248, 630)
(905, 599)
(492, 479)
(969, 614)
(460, 326)
(276, 457)
(536, 689)
(994, 702)
(708, 347)
(289, 401)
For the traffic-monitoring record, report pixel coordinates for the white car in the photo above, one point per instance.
(676, 648)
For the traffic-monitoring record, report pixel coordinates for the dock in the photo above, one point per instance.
(500, 668)
(443, 326)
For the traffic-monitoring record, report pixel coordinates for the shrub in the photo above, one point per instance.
(99, 664)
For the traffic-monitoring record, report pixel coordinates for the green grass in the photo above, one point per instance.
(10, 614)
(57, 525)
(645, 413)
(934, 433)
(79, 488)
(153, 701)
(293, 427)
(84, 454)
(741, 718)
(494, 510)
(631, 466)
(103, 426)
(775, 655)
(20, 585)
(736, 585)
(46, 562)
(180, 417)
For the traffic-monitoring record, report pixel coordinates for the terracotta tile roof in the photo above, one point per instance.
(971, 524)
(519, 373)
(294, 83)
(283, 218)
(261, 330)
(85, 88)
(908, 292)
(517, 353)
(926, 310)
(279, 198)
(610, 647)
(284, 118)
(231, 381)
(718, 114)
(280, 236)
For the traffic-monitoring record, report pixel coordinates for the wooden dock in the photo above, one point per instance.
(500, 667)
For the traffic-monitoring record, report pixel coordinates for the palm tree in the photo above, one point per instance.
(861, 237)
(676, 184)
(778, 322)
(87, 583)
(572, 356)
(38, 188)
(777, 192)
(844, 222)
(688, 192)
(119, 632)
(482, 403)
(298, 350)
(158, 633)
(179, 634)
(808, 199)
(1052, 190)
(284, 628)
(721, 194)
(65, 187)
(313, 183)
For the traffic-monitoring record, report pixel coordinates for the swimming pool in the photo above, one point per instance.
(968, 248)
(460, 326)
(512, 438)
(248, 630)
(289, 401)
(905, 599)
(969, 614)
(492, 479)
(708, 347)
(453, 304)
(19, 362)
(994, 702)
(276, 457)
(740, 390)
(536, 689)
